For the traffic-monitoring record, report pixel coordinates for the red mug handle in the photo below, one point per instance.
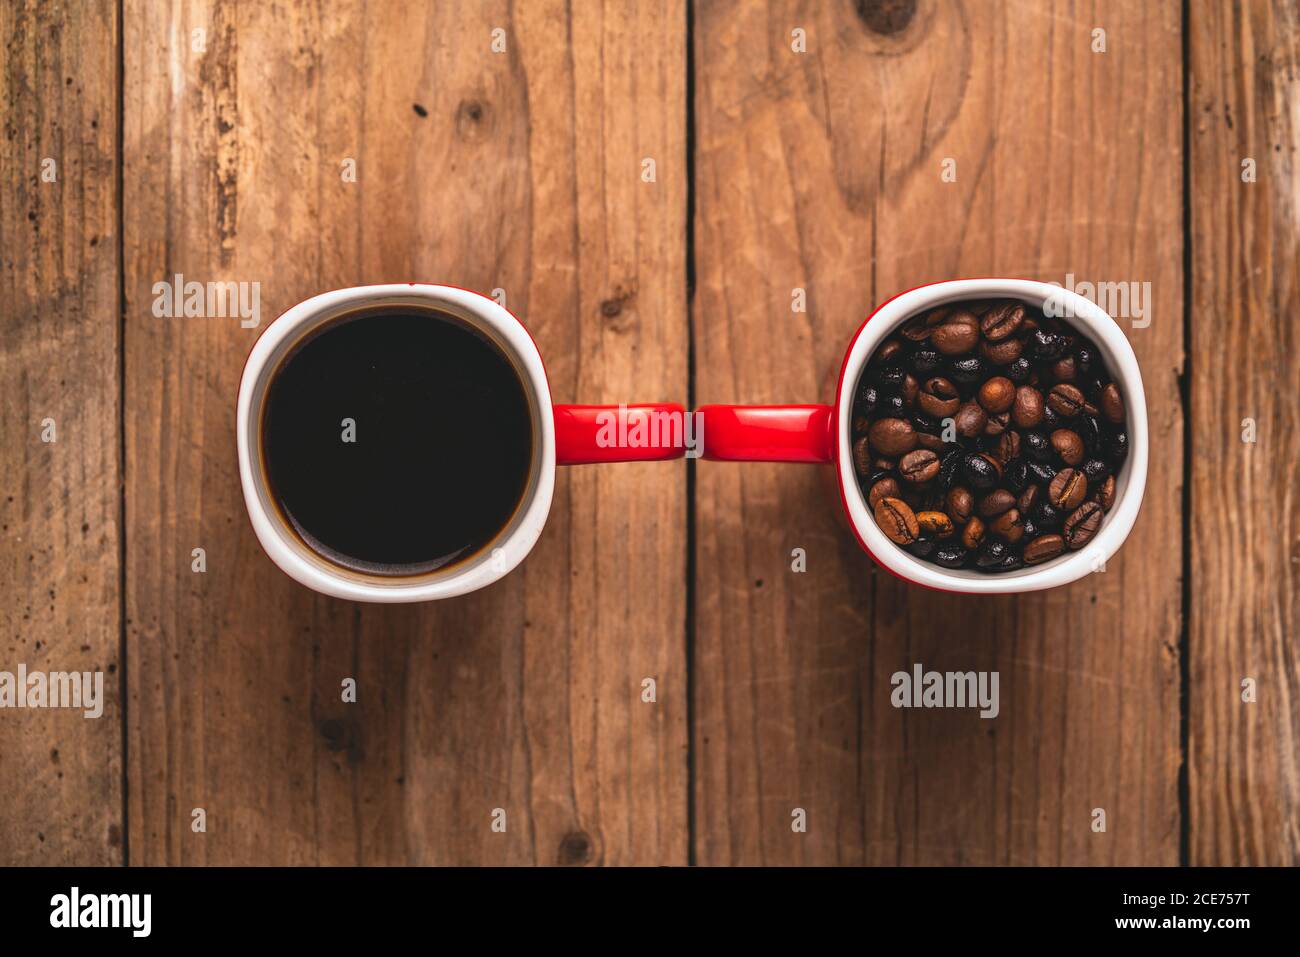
(768, 433)
(648, 432)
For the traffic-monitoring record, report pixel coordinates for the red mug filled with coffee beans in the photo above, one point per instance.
(986, 435)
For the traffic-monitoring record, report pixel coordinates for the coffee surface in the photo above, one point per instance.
(397, 442)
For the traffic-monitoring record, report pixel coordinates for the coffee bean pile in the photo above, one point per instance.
(987, 435)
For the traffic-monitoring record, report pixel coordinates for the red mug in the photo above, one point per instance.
(821, 434)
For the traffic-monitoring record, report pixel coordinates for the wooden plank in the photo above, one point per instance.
(59, 500)
(822, 171)
(1245, 561)
(518, 170)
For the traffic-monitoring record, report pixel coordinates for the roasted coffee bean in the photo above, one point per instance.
(980, 471)
(1065, 400)
(1048, 346)
(1063, 369)
(889, 350)
(922, 547)
(909, 389)
(1041, 472)
(1067, 489)
(1095, 470)
(996, 502)
(1009, 525)
(934, 443)
(1105, 494)
(860, 424)
(1028, 499)
(1027, 407)
(1090, 432)
(991, 553)
(1016, 475)
(916, 330)
(866, 400)
(1082, 525)
(1002, 320)
(1117, 447)
(1042, 548)
(1046, 517)
(968, 370)
(882, 464)
(1112, 404)
(1001, 353)
(1008, 446)
(919, 466)
(1068, 446)
(959, 333)
(938, 315)
(1037, 447)
(1011, 562)
(923, 423)
(937, 524)
(897, 520)
(883, 488)
(960, 504)
(862, 456)
(950, 556)
(1018, 371)
(997, 394)
(939, 398)
(925, 362)
(970, 420)
(892, 436)
(913, 497)
(890, 378)
(1085, 356)
(997, 424)
(891, 405)
(950, 466)
(973, 533)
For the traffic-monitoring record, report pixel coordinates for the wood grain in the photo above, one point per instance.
(59, 500)
(518, 170)
(1245, 529)
(822, 171)
(521, 171)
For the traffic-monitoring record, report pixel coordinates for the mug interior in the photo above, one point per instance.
(312, 566)
(1130, 480)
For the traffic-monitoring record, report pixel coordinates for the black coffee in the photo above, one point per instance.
(397, 442)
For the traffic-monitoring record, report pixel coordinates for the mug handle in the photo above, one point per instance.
(768, 433)
(583, 433)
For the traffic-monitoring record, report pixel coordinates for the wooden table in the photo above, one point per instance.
(908, 142)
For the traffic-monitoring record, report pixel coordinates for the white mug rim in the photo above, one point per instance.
(1120, 360)
(490, 564)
